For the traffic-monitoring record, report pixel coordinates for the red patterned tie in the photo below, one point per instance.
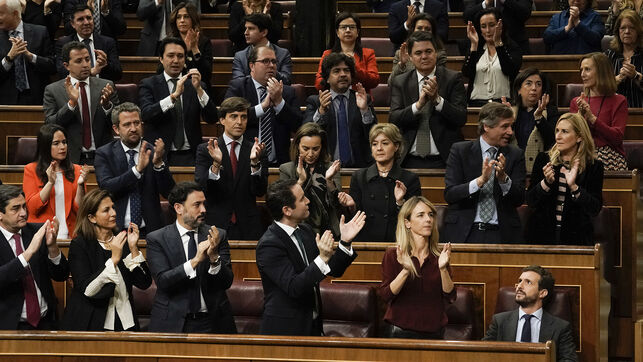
(87, 128)
(233, 163)
(29, 287)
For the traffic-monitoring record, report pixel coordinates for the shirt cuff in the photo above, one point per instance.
(136, 173)
(6, 65)
(323, 267)
(160, 168)
(438, 107)
(255, 173)
(506, 186)
(473, 186)
(316, 116)
(414, 108)
(484, 4)
(166, 104)
(405, 27)
(203, 101)
(189, 271)
(367, 116)
(56, 259)
(279, 106)
(107, 110)
(70, 107)
(23, 261)
(259, 110)
(348, 252)
(213, 176)
(34, 57)
(132, 263)
(214, 269)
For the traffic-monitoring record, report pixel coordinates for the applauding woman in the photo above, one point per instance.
(103, 266)
(416, 278)
(54, 186)
(626, 58)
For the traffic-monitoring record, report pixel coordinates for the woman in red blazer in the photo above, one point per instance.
(52, 178)
(348, 41)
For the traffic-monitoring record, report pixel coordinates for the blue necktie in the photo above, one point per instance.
(19, 68)
(134, 195)
(526, 329)
(343, 137)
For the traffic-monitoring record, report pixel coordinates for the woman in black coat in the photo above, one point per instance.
(237, 25)
(103, 267)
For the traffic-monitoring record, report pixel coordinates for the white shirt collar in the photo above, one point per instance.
(80, 39)
(7, 234)
(137, 148)
(182, 230)
(420, 76)
(229, 140)
(74, 80)
(168, 77)
(287, 228)
(421, 2)
(538, 314)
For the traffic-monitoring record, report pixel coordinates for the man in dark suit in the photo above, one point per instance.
(399, 19)
(291, 265)
(102, 49)
(108, 16)
(29, 259)
(530, 323)
(346, 115)
(230, 171)
(190, 263)
(514, 16)
(429, 105)
(485, 183)
(257, 27)
(134, 172)
(81, 103)
(275, 111)
(27, 57)
(173, 104)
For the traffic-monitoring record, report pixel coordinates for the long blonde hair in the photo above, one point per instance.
(404, 238)
(585, 151)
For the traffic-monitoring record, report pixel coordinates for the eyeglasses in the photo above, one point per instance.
(267, 61)
(347, 27)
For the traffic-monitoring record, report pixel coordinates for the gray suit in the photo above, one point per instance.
(57, 111)
(504, 325)
(240, 67)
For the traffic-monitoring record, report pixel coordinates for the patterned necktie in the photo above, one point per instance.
(29, 289)
(233, 163)
(417, 6)
(19, 67)
(134, 196)
(96, 16)
(179, 138)
(422, 138)
(265, 126)
(87, 43)
(84, 112)
(195, 295)
(343, 137)
(526, 329)
(487, 204)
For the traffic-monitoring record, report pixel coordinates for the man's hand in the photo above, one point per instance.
(51, 237)
(101, 61)
(266, 8)
(72, 91)
(501, 175)
(424, 96)
(487, 167)
(275, 89)
(256, 151)
(201, 253)
(143, 157)
(349, 230)
(410, 11)
(431, 86)
(178, 90)
(106, 96)
(325, 245)
(215, 153)
(213, 240)
(159, 150)
(104, 6)
(325, 98)
(361, 97)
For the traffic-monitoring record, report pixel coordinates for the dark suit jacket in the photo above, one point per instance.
(166, 257)
(86, 261)
(465, 164)
(152, 15)
(57, 111)
(113, 175)
(112, 70)
(12, 272)
(504, 325)
(151, 91)
(445, 125)
(514, 15)
(288, 284)
(111, 25)
(288, 120)
(230, 194)
(38, 74)
(240, 67)
(237, 25)
(399, 13)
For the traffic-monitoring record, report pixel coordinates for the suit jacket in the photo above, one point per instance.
(445, 125)
(151, 91)
(86, 262)
(288, 120)
(12, 272)
(465, 164)
(230, 193)
(514, 15)
(358, 131)
(289, 285)
(38, 43)
(55, 105)
(112, 70)
(166, 257)
(241, 68)
(237, 25)
(114, 175)
(111, 25)
(399, 13)
(504, 325)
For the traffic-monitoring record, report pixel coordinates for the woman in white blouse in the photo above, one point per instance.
(103, 266)
(493, 61)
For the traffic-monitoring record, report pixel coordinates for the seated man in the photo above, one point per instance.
(257, 27)
(134, 172)
(429, 105)
(102, 49)
(346, 115)
(402, 13)
(274, 113)
(530, 323)
(485, 183)
(81, 103)
(108, 16)
(173, 104)
(230, 171)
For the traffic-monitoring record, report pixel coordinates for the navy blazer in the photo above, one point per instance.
(399, 13)
(111, 25)
(112, 70)
(241, 68)
(114, 175)
(12, 272)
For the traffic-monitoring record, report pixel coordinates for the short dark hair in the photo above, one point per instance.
(8, 193)
(262, 21)
(180, 192)
(310, 129)
(79, 8)
(418, 36)
(72, 45)
(123, 107)
(491, 114)
(521, 77)
(171, 40)
(233, 104)
(337, 46)
(43, 159)
(280, 194)
(254, 53)
(333, 60)
(546, 280)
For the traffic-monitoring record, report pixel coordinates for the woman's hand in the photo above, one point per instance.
(497, 33)
(472, 34)
(132, 239)
(549, 173)
(346, 200)
(542, 105)
(404, 54)
(116, 246)
(333, 169)
(192, 41)
(301, 171)
(246, 7)
(266, 8)
(84, 171)
(584, 109)
(399, 192)
(570, 175)
(445, 256)
(51, 172)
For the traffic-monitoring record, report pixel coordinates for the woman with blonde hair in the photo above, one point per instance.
(416, 278)
(625, 55)
(566, 187)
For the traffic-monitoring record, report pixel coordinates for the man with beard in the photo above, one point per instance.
(190, 263)
(530, 323)
(134, 172)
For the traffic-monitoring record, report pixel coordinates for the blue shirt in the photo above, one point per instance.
(584, 38)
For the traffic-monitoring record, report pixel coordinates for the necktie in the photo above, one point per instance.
(233, 163)
(96, 16)
(19, 68)
(302, 250)
(343, 137)
(87, 127)
(265, 126)
(87, 43)
(417, 6)
(423, 140)
(29, 289)
(526, 329)
(179, 138)
(135, 211)
(195, 295)
(487, 204)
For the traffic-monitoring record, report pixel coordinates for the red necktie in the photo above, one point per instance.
(29, 288)
(87, 128)
(233, 163)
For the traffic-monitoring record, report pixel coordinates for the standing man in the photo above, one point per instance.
(29, 259)
(82, 104)
(190, 263)
(292, 261)
(231, 171)
(530, 323)
(485, 183)
(429, 105)
(402, 13)
(107, 15)
(173, 104)
(346, 115)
